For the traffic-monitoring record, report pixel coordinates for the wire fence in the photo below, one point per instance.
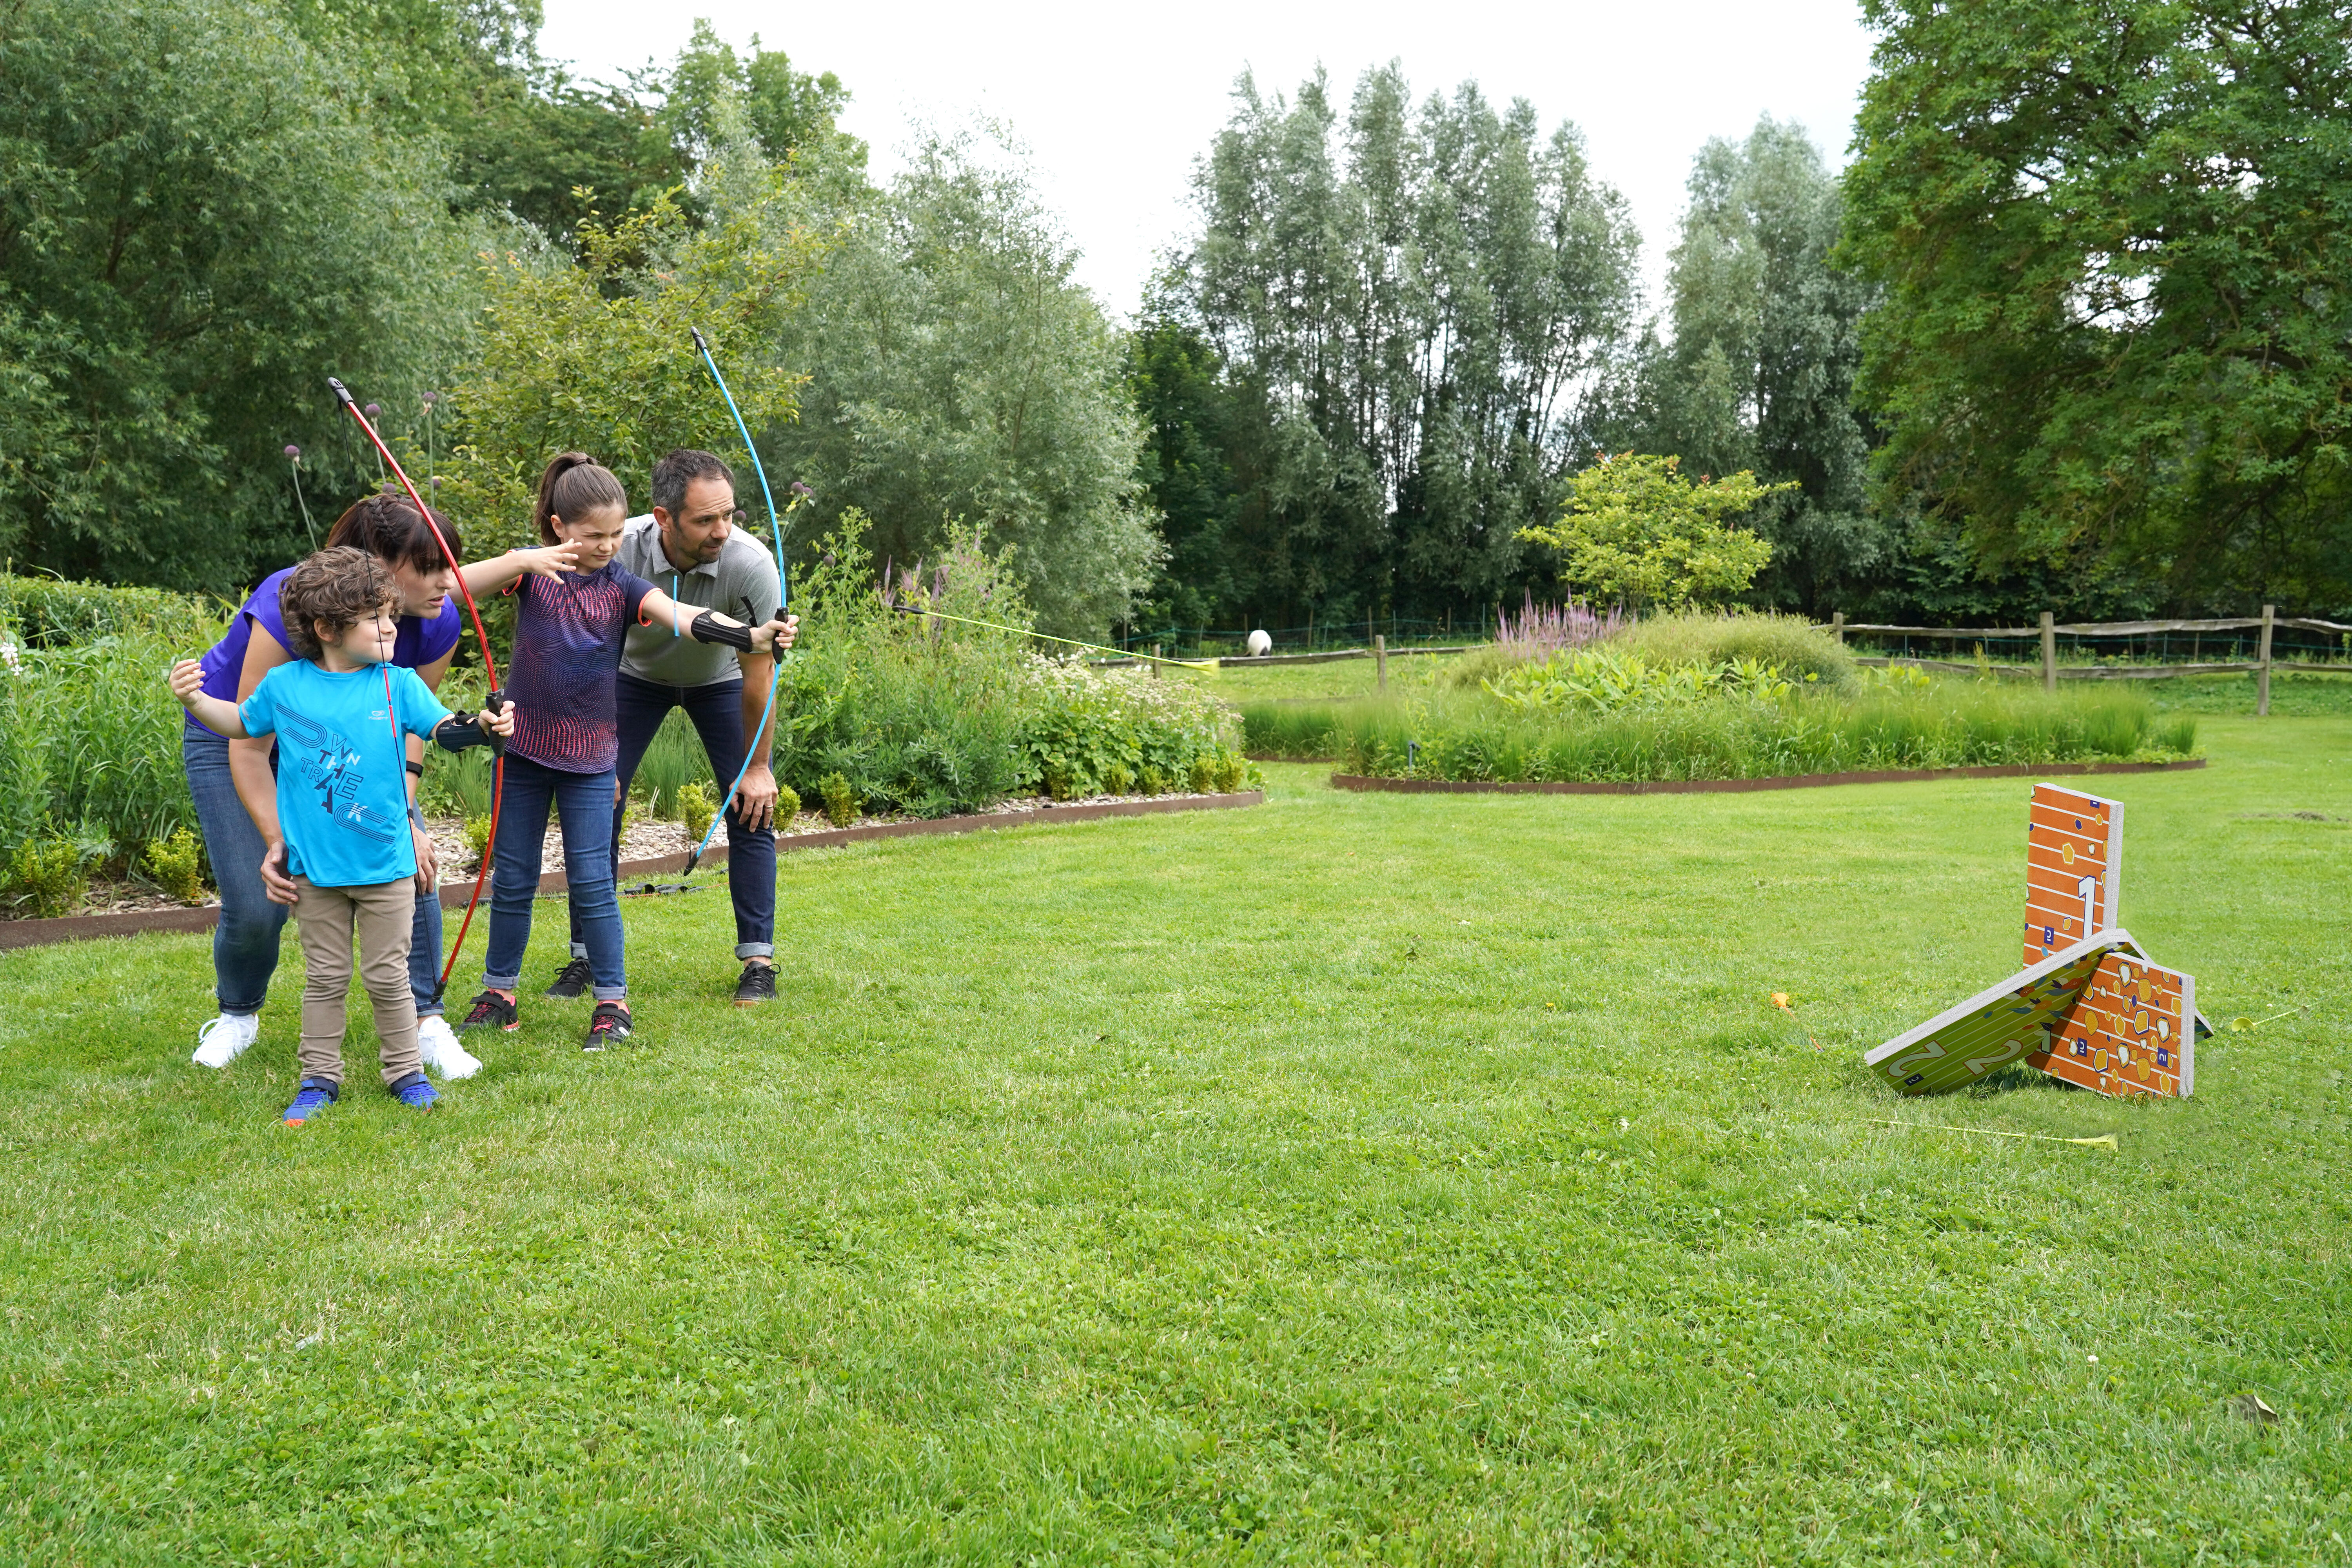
(1397, 632)
(2119, 650)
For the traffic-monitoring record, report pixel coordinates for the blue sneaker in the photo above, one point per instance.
(414, 1092)
(315, 1095)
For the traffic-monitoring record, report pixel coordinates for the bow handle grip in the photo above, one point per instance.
(497, 703)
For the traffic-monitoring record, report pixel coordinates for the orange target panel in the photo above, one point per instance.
(2073, 865)
(2131, 1032)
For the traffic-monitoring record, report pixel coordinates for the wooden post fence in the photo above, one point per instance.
(1837, 628)
(2262, 676)
(1380, 658)
(1155, 666)
(2049, 654)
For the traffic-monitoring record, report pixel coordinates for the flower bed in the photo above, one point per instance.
(1607, 714)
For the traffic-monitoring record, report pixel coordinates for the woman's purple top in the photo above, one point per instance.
(420, 642)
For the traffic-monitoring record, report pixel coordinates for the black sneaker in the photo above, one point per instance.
(573, 982)
(608, 1026)
(491, 1010)
(758, 985)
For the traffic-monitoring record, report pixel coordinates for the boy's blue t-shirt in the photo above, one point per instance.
(342, 766)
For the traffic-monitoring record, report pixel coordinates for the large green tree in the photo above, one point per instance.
(1195, 421)
(1419, 300)
(2116, 339)
(1760, 369)
(201, 217)
(957, 372)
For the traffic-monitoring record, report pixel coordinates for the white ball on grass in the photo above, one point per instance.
(1260, 644)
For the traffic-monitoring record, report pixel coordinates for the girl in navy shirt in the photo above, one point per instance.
(574, 604)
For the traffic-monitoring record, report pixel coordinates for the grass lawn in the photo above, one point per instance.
(1358, 1177)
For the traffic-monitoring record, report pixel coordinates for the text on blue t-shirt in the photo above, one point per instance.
(342, 766)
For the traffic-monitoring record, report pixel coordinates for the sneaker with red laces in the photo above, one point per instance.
(492, 1011)
(609, 1026)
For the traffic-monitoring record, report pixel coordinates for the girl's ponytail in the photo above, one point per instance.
(575, 484)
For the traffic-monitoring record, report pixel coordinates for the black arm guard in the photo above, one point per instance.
(708, 628)
(455, 735)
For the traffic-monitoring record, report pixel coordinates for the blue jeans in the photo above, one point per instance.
(245, 944)
(583, 805)
(716, 712)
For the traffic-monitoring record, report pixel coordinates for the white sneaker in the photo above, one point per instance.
(438, 1044)
(224, 1039)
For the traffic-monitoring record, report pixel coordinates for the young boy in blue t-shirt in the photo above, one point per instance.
(342, 715)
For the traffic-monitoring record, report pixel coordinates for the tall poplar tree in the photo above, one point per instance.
(1419, 300)
(1759, 373)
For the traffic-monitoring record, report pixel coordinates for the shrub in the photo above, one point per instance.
(788, 804)
(696, 804)
(478, 838)
(840, 804)
(50, 613)
(1085, 727)
(1795, 646)
(48, 873)
(177, 864)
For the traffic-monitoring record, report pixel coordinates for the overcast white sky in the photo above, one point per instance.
(1115, 104)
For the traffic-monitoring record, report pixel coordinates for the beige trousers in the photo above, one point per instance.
(384, 915)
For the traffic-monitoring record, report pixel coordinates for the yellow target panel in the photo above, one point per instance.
(2132, 1032)
(2013, 1020)
(2074, 866)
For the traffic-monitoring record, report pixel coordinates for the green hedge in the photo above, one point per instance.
(50, 613)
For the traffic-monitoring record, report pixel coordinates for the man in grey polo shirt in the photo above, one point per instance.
(693, 548)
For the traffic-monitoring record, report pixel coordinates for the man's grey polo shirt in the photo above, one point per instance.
(742, 582)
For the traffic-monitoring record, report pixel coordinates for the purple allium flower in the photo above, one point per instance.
(375, 410)
(436, 481)
(431, 399)
(292, 452)
(798, 489)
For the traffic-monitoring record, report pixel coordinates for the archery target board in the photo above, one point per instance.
(2011, 1022)
(2074, 868)
(2133, 1032)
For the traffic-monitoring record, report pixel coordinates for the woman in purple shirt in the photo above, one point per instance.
(233, 784)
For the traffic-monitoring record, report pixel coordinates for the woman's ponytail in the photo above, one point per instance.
(575, 484)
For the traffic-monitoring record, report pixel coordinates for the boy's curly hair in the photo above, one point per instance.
(340, 586)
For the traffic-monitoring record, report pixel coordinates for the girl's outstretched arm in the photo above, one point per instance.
(217, 714)
(658, 609)
(547, 561)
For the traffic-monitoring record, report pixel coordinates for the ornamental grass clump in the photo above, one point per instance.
(1799, 729)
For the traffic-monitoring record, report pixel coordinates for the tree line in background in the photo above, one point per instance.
(2070, 332)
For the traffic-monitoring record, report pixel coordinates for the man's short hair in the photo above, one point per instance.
(340, 585)
(680, 468)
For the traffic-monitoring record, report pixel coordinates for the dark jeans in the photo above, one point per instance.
(245, 944)
(716, 714)
(583, 805)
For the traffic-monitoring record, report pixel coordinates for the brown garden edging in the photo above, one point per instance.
(77, 928)
(1741, 786)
